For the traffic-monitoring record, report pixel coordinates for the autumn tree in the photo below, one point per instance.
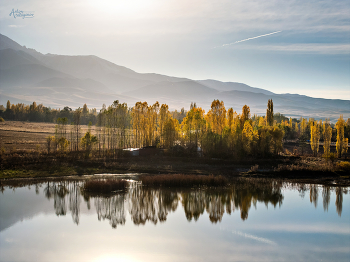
(170, 132)
(77, 115)
(303, 125)
(164, 116)
(342, 142)
(216, 117)
(269, 113)
(193, 126)
(245, 115)
(327, 136)
(87, 141)
(276, 139)
(315, 137)
(247, 137)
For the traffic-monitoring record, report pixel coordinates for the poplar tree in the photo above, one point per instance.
(303, 125)
(342, 143)
(315, 137)
(77, 114)
(269, 113)
(327, 136)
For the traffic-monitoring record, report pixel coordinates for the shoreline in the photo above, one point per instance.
(289, 169)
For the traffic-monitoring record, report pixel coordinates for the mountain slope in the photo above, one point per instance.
(230, 86)
(58, 80)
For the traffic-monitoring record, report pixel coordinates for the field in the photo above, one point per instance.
(28, 136)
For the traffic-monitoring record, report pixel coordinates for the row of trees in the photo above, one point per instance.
(217, 133)
(39, 113)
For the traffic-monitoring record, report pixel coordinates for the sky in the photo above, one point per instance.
(304, 46)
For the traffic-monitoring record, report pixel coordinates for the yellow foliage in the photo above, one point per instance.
(315, 137)
(216, 117)
(247, 136)
(327, 136)
(344, 165)
(342, 143)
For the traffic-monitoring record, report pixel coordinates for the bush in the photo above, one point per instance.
(2, 120)
(104, 186)
(343, 165)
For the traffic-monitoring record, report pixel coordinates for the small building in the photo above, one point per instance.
(132, 151)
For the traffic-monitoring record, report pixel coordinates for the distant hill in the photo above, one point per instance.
(59, 80)
(231, 86)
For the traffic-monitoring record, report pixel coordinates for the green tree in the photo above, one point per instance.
(87, 141)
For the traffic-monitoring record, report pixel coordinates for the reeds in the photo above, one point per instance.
(184, 180)
(104, 186)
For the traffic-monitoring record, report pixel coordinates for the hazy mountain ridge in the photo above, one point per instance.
(59, 80)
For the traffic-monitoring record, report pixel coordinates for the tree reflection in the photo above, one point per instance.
(57, 191)
(339, 200)
(326, 195)
(314, 194)
(151, 205)
(74, 201)
(112, 209)
(193, 203)
(154, 204)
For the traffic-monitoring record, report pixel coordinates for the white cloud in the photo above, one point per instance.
(16, 26)
(302, 48)
(314, 228)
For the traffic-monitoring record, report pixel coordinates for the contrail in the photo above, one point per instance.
(248, 39)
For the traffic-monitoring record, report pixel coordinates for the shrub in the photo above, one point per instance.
(343, 165)
(254, 168)
(104, 186)
(2, 120)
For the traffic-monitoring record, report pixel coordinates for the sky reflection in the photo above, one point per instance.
(255, 223)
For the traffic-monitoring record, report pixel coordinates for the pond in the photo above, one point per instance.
(252, 220)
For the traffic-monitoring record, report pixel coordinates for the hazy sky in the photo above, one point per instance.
(200, 39)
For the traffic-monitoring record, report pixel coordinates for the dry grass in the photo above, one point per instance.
(104, 186)
(343, 165)
(315, 165)
(18, 135)
(178, 180)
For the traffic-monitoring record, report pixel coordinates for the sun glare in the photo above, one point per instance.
(125, 8)
(110, 258)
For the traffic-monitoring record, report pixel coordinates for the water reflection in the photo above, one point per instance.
(153, 205)
(112, 209)
(326, 195)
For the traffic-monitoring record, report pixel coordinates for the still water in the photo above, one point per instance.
(249, 221)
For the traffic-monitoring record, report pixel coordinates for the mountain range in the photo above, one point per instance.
(60, 80)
